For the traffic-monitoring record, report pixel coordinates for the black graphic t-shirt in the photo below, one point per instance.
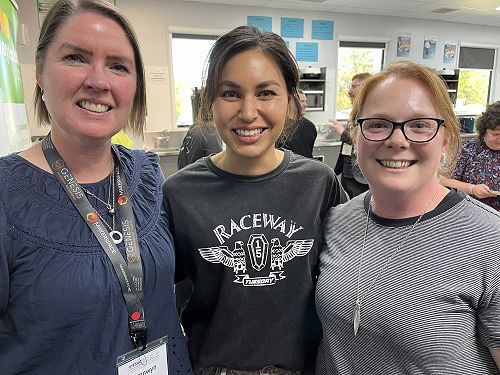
(250, 245)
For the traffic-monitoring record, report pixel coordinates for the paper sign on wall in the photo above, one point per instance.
(429, 49)
(306, 52)
(322, 30)
(261, 22)
(403, 45)
(292, 27)
(449, 52)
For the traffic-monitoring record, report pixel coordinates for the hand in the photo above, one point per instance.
(336, 126)
(481, 191)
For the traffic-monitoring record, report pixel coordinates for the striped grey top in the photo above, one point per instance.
(436, 307)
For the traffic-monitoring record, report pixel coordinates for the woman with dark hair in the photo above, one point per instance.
(412, 284)
(86, 258)
(478, 168)
(247, 221)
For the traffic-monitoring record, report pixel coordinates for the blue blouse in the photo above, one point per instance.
(61, 306)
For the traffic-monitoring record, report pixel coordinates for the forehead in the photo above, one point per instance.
(252, 63)
(496, 129)
(400, 97)
(92, 29)
(357, 82)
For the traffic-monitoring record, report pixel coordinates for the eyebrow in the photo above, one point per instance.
(88, 52)
(261, 85)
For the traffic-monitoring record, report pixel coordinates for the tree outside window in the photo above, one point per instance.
(473, 91)
(351, 61)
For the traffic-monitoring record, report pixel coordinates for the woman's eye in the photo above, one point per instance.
(377, 125)
(120, 68)
(229, 95)
(73, 58)
(267, 93)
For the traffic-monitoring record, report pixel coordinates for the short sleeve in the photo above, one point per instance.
(4, 269)
(489, 316)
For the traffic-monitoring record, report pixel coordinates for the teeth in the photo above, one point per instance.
(395, 164)
(92, 107)
(248, 133)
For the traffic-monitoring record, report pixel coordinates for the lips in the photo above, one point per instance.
(93, 107)
(396, 164)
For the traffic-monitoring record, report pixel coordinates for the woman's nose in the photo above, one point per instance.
(97, 78)
(397, 139)
(248, 111)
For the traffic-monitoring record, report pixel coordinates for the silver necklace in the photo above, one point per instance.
(360, 296)
(116, 235)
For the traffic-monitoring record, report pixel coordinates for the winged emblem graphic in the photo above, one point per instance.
(236, 258)
(221, 254)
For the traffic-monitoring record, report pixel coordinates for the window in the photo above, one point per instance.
(189, 53)
(474, 83)
(354, 58)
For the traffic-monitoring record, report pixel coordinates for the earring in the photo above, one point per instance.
(442, 161)
(43, 95)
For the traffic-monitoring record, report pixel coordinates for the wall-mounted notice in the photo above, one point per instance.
(449, 52)
(429, 50)
(403, 45)
(261, 22)
(292, 27)
(307, 52)
(322, 30)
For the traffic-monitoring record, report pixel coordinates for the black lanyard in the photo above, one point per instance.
(129, 272)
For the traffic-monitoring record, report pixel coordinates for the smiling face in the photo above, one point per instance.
(250, 109)
(89, 78)
(492, 138)
(397, 166)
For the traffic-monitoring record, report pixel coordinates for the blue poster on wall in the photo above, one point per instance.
(403, 45)
(292, 27)
(429, 50)
(261, 22)
(306, 52)
(449, 52)
(322, 30)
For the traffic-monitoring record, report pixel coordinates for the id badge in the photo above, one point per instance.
(346, 149)
(152, 360)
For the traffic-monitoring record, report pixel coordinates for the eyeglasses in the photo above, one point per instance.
(418, 130)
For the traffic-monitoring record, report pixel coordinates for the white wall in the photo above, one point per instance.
(152, 20)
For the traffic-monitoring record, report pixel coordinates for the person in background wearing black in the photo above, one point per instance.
(201, 140)
(302, 140)
(352, 179)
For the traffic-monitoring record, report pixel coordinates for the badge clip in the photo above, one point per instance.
(140, 339)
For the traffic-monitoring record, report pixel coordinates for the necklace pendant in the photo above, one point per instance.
(357, 316)
(111, 211)
(116, 236)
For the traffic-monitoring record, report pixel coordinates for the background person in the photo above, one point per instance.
(302, 140)
(352, 180)
(478, 167)
(407, 287)
(201, 140)
(247, 221)
(62, 310)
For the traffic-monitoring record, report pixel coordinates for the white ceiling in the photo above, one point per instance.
(480, 12)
